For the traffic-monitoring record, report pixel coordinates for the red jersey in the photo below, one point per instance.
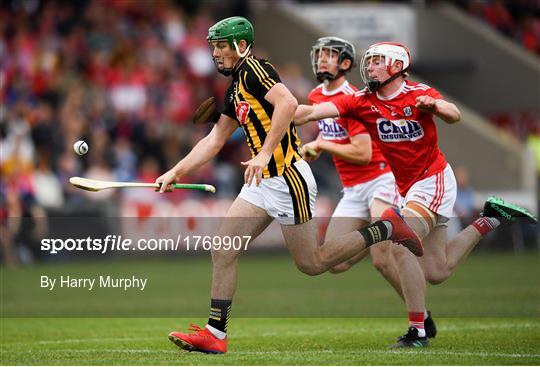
(406, 136)
(339, 130)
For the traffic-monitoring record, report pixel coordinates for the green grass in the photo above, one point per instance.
(487, 314)
(353, 341)
(270, 286)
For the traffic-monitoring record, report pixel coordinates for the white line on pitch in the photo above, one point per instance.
(349, 330)
(364, 352)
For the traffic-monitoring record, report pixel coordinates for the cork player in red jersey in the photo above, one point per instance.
(399, 116)
(369, 186)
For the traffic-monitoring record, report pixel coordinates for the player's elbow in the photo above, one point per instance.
(457, 116)
(454, 115)
(301, 114)
(291, 104)
(287, 107)
(363, 157)
(453, 118)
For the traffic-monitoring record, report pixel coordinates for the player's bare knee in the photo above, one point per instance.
(399, 252)
(434, 279)
(381, 263)
(340, 268)
(325, 259)
(310, 268)
(381, 257)
(438, 276)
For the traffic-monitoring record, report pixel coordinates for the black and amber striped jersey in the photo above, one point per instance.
(244, 102)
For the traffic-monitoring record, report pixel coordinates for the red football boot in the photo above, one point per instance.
(201, 340)
(402, 233)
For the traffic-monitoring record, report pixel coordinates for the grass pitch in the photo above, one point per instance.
(269, 341)
(495, 298)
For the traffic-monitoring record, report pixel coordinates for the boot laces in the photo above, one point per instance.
(196, 329)
(412, 334)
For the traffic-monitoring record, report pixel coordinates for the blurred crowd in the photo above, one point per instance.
(516, 19)
(122, 75)
(125, 76)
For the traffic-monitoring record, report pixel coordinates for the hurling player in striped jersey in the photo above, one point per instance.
(399, 116)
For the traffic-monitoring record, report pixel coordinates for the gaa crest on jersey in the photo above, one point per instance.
(331, 130)
(242, 111)
(392, 131)
(407, 111)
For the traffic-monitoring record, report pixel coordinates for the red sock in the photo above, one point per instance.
(416, 320)
(484, 225)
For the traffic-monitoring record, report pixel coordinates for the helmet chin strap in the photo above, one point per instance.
(327, 76)
(375, 85)
(241, 54)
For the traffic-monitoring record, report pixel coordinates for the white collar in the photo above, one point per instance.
(327, 92)
(393, 95)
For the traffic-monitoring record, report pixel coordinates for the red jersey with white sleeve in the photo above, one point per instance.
(339, 130)
(406, 136)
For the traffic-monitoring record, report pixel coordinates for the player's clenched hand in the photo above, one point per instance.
(426, 103)
(166, 180)
(311, 151)
(255, 167)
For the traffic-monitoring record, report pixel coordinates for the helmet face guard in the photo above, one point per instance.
(384, 54)
(334, 46)
(233, 30)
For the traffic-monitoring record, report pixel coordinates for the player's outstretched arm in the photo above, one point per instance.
(358, 151)
(446, 111)
(306, 113)
(284, 107)
(201, 153)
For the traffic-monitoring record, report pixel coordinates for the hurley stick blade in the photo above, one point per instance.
(98, 185)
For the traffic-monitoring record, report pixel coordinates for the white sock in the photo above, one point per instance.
(425, 315)
(217, 333)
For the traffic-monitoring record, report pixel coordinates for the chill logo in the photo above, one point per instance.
(399, 130)
(331, 130)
